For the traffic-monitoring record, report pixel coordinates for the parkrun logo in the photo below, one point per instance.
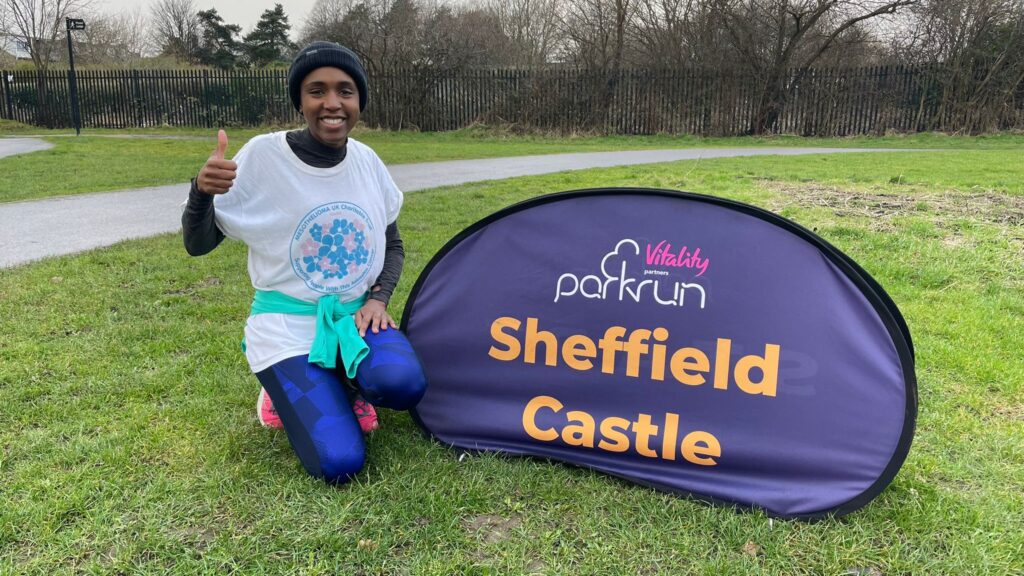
(617, 283)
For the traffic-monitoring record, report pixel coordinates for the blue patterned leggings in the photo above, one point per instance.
(317, 413)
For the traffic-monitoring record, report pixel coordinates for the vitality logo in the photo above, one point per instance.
(662, 254)
(621, 270)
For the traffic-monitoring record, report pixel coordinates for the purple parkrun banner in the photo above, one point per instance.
(684, 342)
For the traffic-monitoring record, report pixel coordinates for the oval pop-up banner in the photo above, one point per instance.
(680, 341)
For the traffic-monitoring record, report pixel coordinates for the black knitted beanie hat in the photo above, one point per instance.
(318, 55)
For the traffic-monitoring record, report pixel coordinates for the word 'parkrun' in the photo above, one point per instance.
(616, 273)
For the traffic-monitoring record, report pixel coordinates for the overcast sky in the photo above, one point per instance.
(245, 13)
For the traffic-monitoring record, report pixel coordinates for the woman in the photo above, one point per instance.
(318, 212)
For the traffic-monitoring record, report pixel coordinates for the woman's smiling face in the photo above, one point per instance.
(330, 105)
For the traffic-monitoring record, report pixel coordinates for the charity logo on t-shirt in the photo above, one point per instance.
(332, 249)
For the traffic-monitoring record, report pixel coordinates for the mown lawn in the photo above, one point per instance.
(105, 160)
(130, 443)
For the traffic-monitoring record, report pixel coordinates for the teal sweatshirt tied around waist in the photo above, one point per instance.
(335, 326)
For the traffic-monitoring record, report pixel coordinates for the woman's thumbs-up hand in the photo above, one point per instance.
(217, 174)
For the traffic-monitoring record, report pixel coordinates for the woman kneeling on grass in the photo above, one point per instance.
(318, 212)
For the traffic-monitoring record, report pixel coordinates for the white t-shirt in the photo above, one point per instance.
(310, 231)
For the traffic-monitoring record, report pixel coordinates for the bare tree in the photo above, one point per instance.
(400, 34)
(6, 39)
(457, 39)
(324, 19)
(116, 39)
(373, 29)
(175, 29)
(944, 30)
(595, 32)
(594, 36)
(776, 37)
(662, 31)
(979, 47)
(675, 34)
(531, 27)
(36, 26)
(384, 33)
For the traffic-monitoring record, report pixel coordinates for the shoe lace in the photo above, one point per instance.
(362, 408)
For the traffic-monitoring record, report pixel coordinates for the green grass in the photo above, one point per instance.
(104, 160)
(129, 443)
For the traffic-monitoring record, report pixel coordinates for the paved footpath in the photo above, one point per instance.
(12, 146)
(90, 221)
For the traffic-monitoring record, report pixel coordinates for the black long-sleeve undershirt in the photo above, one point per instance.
(201, 235)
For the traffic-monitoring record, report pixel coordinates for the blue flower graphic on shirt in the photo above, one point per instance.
(331, 249)
(342, 227)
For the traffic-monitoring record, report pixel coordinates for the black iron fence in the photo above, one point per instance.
(142, 98)
(823, 102)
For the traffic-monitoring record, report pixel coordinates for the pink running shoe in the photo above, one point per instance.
(267, 415)
(366, 414)
(265, 412)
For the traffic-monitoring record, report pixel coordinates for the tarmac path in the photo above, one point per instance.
(12, 146)
(103, 219)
